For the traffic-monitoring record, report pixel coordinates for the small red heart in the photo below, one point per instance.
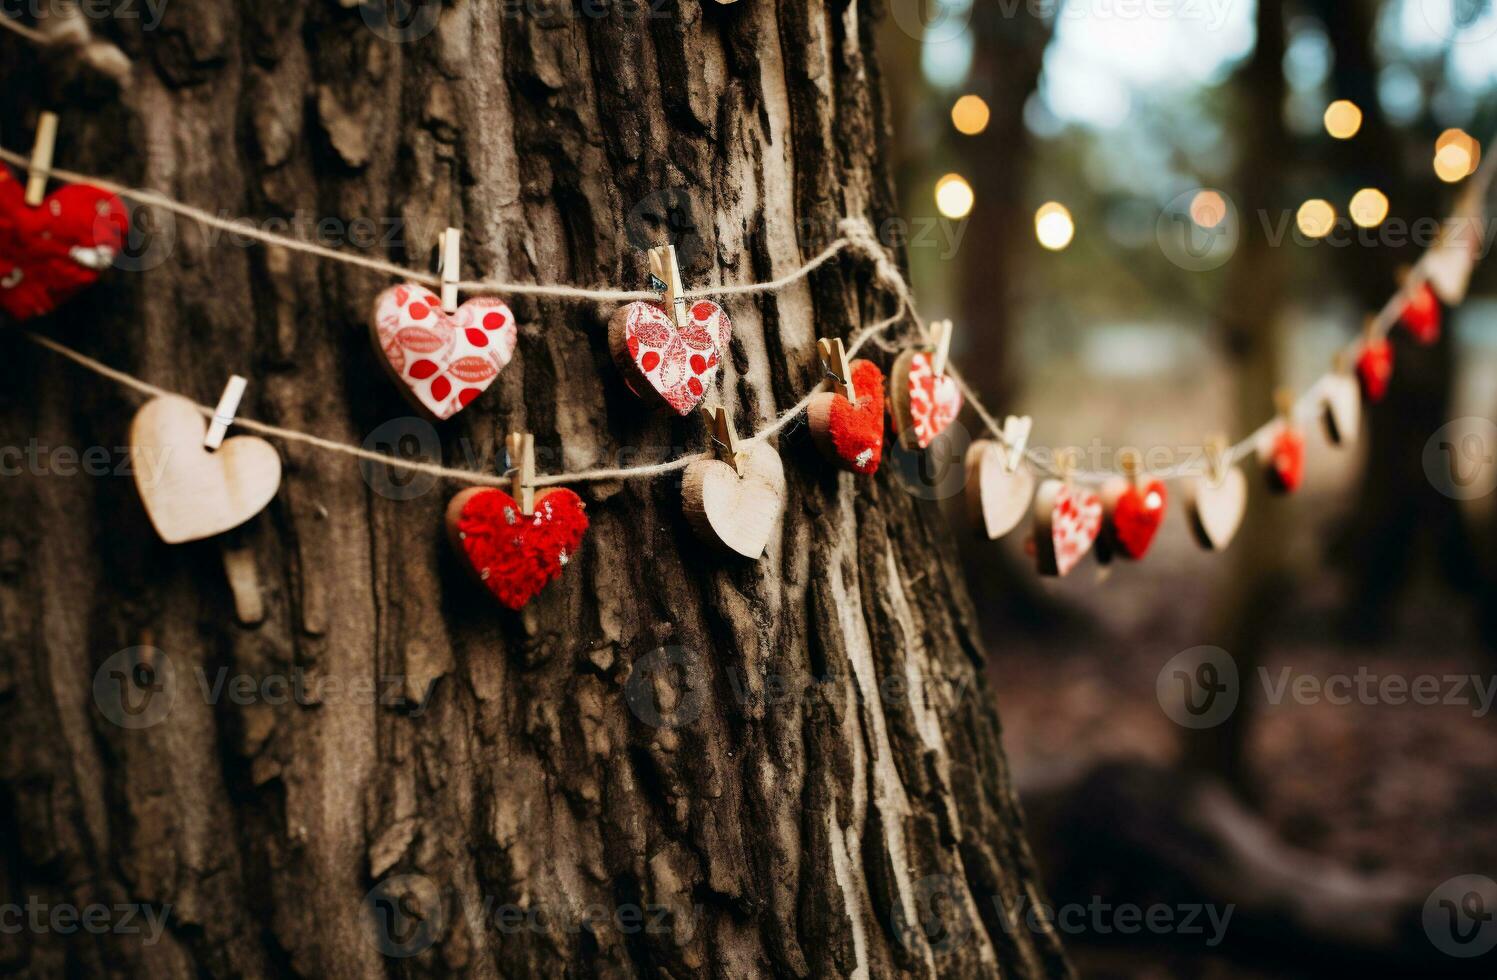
(661, 361)
(470, 347)
(1286, 463)
(516, 556)
(1137, 516)
(49, 253)
(852, 434)
(1422, 316)
(1375, 369)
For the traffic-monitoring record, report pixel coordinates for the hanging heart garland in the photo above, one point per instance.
(515, 555)
(442, 362)
(49, 253)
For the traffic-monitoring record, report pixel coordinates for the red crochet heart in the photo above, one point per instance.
(1422, 315)
(50, 252)
(1136, 517)
(852, 433)
(1286, 463)
(674, 364)
(1375, 369)
(516, 556)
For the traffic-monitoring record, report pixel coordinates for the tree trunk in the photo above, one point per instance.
(669, 764)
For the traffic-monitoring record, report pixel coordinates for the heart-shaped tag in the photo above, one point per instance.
(1067, 520)
(1216, 508)
(1375, 368)
(1422, 316)
(664, 363)
(1282, 453)
(851, 434)
(1449, 264)
(50, 252)
(997, 498)
(516, 556)
(1341, 405)
(736, 512)
(922, 402)
(1135, 512)
(442, 362)
(190, 493)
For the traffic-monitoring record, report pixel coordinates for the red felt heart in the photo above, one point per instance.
(516, 556)
(1375, 369)
(1137, 512)
(1286, 460)
(442, 362)
(852, 433)
(1422, 315)
(675, 365)
(48, 253)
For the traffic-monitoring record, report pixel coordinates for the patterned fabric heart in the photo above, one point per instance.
(49, 253)
(925, 403)
(1067, 521)
(662, 362)
(513, 555)
(442, 362)
(851, 433)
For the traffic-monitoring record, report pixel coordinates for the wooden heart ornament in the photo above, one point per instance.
(442, 362)
(851, 433)
(664, 363)
(1375, 368)
(1135, 511)
(1422, 316)
(1067, 520)
(190, 493)
(49, 253)
(923, 402)
(997, 497)
(516, 555)
(1341, 409)
(736, 508)
(1216, 505)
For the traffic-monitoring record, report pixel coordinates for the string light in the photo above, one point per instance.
(1316, 218)
(1208, 209)
(954, 197)
(970, 115)
(1343, 119)
(1369, 206)
(1053, 226)
(1457, 154)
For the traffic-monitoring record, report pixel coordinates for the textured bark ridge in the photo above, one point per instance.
(670, 764)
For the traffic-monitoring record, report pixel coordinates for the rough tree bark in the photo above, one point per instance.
(478, 816)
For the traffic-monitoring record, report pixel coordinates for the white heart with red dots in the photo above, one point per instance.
(442, 361)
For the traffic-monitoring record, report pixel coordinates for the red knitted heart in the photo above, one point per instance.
(442, 362)
(513, 555)
(1375, 369)
(675, 365)
(1286, 462)
(1137, 513)
(1422, 315)
(852, 434)
(51, 252)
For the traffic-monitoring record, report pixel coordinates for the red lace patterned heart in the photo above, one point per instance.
(663, 362)
(513, 555)
(442, 362)
(49, 253)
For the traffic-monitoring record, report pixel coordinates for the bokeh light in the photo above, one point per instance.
(1343, 119)
(954, 197)
(1316, 218)
(1053, 226)
(1457, 154)
(1208, 209)
(970, 115)
(1369, 206)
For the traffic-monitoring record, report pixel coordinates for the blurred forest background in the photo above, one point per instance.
(1053, 158)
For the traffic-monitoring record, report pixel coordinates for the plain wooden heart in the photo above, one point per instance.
(1216, 508)
(997, 499)
(1067, 521)
(733, 512)
(190, 493)
(1341, 409)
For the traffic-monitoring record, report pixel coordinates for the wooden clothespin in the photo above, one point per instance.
(940, 332)
(1132, 465)
(1066, 461)
(725, 437)
(41, 159)
(450, 256)
(664, 268)
(834, 359)
(521, 446)
(223, 415)
(1016, 429)
(1216, 458)
(1284, 400)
